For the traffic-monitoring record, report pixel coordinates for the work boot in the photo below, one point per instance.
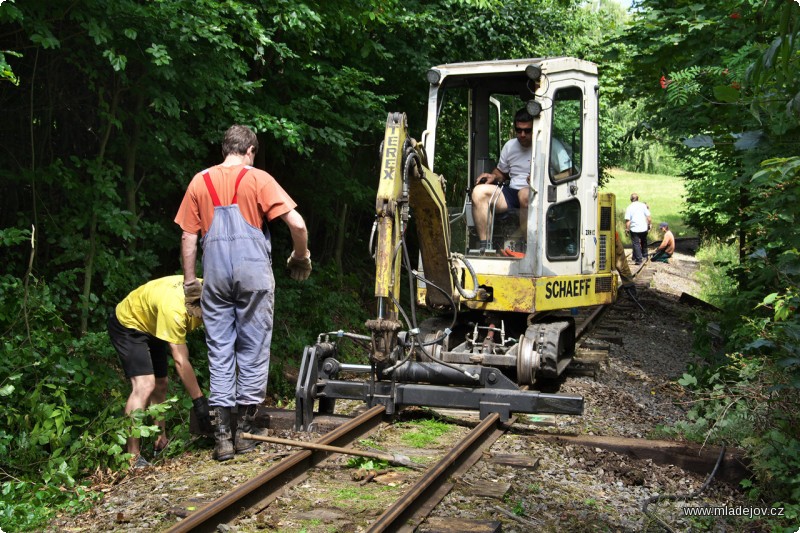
(221, 422)
(246, 423)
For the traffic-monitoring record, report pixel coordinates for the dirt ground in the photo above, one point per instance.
(566, 487)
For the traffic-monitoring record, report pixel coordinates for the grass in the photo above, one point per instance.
(662, 194)
(426, 432)
(715, 260)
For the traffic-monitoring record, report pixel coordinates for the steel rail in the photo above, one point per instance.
(270, 482)
(593, 317)
(415, 504)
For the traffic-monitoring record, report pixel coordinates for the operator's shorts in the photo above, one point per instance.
(512, 197)
(140, 354)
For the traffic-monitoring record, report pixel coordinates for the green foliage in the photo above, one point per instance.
(719, 412)
(688, 83)
(6, 73)
(366, 463)
(713, 195)
(716, 261)
(519, 508)
(12, 236)
(425, 432)
(632, 142)
(736, 401)
(777, 463)
(62, 418)
(26, 505)
(648, 157)
(750, 396)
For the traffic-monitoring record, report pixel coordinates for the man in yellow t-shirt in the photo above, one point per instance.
(149, 321)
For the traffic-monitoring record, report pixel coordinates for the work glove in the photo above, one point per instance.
(200, 408)
(191, 293)
(299, 269)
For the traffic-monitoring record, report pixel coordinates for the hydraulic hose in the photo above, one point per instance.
(459, 288)
(415, 274)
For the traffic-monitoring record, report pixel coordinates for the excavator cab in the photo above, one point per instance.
(566, 230)
(473, 117)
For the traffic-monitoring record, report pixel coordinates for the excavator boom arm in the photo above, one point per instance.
(405, 183)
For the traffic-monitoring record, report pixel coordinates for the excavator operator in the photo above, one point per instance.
(513, 172)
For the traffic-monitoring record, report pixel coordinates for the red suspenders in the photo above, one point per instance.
(213, 192)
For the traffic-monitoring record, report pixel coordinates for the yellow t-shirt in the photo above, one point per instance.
(158, 308)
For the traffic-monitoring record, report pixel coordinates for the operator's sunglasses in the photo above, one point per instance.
(526, 130)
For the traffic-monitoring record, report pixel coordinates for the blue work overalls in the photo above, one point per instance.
(237, 302)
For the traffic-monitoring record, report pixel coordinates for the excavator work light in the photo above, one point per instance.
(533, 72)
(434, 76)
(534, 108)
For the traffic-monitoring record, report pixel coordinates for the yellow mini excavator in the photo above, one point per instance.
(501, 308)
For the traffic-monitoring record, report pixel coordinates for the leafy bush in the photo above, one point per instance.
(750, 396)
(712, 201)
(630, 139)
(716, 258)
(305, 309)
(62, 418)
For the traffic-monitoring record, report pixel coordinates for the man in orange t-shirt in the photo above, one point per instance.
(227, 205)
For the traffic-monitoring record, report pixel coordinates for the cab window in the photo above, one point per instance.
(566, 139)
(563, 230)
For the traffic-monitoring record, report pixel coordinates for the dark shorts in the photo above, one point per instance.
(140, 354)
(512, 197)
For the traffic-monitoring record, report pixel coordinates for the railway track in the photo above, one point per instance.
(542, 473)
(426, 488)
(404, 509)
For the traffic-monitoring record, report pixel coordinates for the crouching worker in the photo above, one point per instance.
(667, 246)
(152, 320)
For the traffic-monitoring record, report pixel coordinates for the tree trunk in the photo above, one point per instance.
(743, 245)
(88, 273)
(131, 187)
(339, 250)
(88, 269)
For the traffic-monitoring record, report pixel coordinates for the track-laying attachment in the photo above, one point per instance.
(434, 384)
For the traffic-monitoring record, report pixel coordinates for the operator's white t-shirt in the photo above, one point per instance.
(559, 157)
(516, 162)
